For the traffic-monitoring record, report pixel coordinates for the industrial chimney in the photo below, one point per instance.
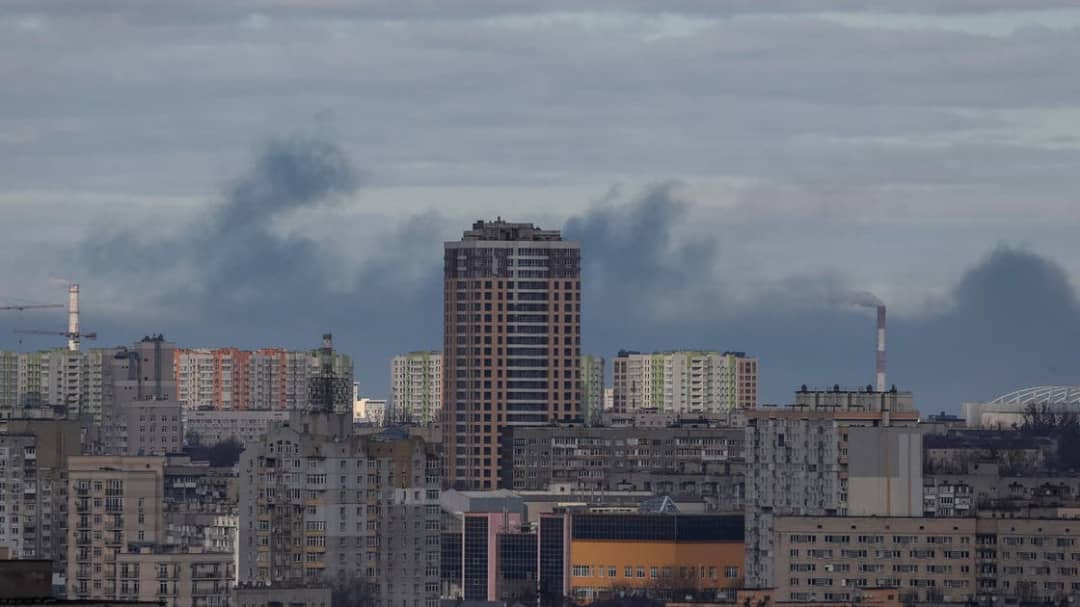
(73, 318)
(880, 348)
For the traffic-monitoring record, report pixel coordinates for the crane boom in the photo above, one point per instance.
(31, 307)
(56, 333)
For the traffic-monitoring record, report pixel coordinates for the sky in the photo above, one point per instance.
(257, 172)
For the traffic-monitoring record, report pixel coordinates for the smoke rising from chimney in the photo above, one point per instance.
(863, 299)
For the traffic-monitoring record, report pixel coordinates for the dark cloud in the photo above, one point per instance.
(1012, 320)
(253, 287)
(653, 278)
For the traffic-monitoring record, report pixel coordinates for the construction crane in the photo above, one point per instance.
(73, 334)
(31, 307)
(69, 335)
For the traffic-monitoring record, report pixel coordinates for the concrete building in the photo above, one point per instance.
(416, 388)
(683, 462)
(135, 534)
(866, 400)
(269, 378)
(655, 554)
(49, 377)
(143, 371)
(33, 459)
(609, 399)
(952, 560)
(281, 596)
(321, 505)
(685, 382)
(797, 462)
(113, 503)
(212, 426)
(144, 427)
(592, 388)
(512, 341)
(176, 578)
(371, 411)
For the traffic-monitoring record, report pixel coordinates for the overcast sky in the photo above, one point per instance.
(252, 173)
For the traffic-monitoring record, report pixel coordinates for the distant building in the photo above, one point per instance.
(690, 461)
(113, 503)
(1008, 410)
(838, 399)
(233, 379)
(609, 399)
(935, 560)
(33, 498)
(282, 595)
(370, 411)
(512, 341)
(825, 463)
(322, 505)
(492, 553)
(685, 382)
(592, 388)
(212, 426)
(416, 388)
(145, 427)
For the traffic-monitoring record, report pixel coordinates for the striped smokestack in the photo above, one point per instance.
(73, 318)
(880, 348)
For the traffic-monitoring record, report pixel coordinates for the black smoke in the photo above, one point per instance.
(1011, 320)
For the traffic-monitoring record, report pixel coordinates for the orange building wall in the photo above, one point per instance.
(714, 557)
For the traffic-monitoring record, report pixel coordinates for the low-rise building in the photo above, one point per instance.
(250, 595)
(208, 426)
(692, 460)
(990, 560)
(175, 577)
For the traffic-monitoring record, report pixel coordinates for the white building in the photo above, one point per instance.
(416, 387)
(592, 387)
(685, 381)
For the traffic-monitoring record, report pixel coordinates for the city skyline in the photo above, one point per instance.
(720, 191)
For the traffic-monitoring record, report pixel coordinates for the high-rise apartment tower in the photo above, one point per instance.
(512, 341)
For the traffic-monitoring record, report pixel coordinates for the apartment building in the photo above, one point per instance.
(800, 462)
(33, 492)
(512, 341)
(954, 560)
(685, 381)
(592, 388)
(113, 503)
(684, 462)
(49, 377)
(212, 426)
(175, 577)
(144, 427)
(321, 505)
(416, 388)
(269, 378)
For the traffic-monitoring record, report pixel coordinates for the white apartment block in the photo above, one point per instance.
(685, 382)
(416, 387)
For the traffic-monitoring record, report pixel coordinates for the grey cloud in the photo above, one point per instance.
(1011, 320)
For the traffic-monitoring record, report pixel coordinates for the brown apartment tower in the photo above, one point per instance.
(512, 339)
